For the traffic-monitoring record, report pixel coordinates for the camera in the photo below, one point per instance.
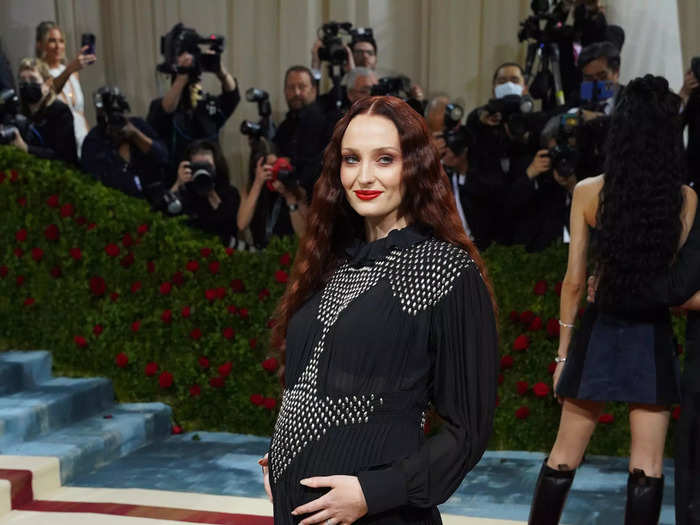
(564, 155)
(400, 87)
(257, 130)
(10, 117)
(111, 106)
(333, 49)
(283, 171)
(203, 178)
(579, 146)
(554, 13)
(183, 39)
(514, 110)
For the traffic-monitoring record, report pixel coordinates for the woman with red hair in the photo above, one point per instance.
(388, 312)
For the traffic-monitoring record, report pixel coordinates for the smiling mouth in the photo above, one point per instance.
(367, 195)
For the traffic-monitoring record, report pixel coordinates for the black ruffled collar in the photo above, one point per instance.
(362, 253)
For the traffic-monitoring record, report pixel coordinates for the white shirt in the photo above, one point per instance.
(72, 95)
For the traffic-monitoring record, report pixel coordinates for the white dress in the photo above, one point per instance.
(72, 95)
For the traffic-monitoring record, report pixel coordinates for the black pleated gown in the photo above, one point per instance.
(405, 323)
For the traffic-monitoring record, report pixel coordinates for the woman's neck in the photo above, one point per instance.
(379, 228)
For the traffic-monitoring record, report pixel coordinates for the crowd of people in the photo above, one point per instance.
(511, 174)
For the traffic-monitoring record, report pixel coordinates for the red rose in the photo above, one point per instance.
(127, 260)
(514, 316)
(165, 380)
(97, 329)
(166, 316)
(186, 311)
(522, 342)
(228, 332)
(20, 280)
(135, 326)
(501, 378)
(29, 301)
(18, 252)
(196, 334)
(142, 229)
(165, 288)
(253, 342)
(216, 382)
(535, 325)
(507, 362)
(56, 272)
(195, 390)
(205, 252)
(121, 360)
(285, 259)
(178, 279)
(192, 266)
(606, 418)
(270, 403)
(263, 294)
(237, 286)
(527, 317)
(203, 362)
(151, 369)
(51, 232)
(225, 369)
(679, 349)
(112, 249)
(676, 412)
(522, 387)
(127, 240)
(176, 430)
(281, 276)
(52, 201)
(67, 210)
(522, 413)
(243, 313)
(150, 266)
(270, 364)
(257, 399)
(541, 389)
(81, 220)
(22, 201)
(114, 296)
(91, 226)
(37, 254)
(214, 267)
(80, 341)
(76, 253)
(135, 287)
(540, 288)
(232, 309)
(229, 251)
(4, 270)
(220, 292)
(210, 294)
(551, 367)
(14, 177)
(98, 285)
(552, 327)
(21, 235)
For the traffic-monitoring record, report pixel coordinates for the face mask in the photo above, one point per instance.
(509, 88)
(30, 92)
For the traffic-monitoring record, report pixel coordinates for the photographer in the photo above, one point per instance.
(186, 113)
(268, 206)
(123, 152)
(600, 65)
(206, 194)
(49, 134)
(305, 131)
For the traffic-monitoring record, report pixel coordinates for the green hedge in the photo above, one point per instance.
(168, 314)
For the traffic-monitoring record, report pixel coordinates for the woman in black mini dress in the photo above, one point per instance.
(388, 313)
(635, 217)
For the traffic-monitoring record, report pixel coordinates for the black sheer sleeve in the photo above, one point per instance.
(465, 346)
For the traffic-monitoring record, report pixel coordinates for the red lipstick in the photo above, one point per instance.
(367, 195)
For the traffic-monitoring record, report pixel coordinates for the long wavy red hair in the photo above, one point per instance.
(333, 224)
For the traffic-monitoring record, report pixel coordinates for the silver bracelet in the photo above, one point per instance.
(293, 207)
(560, 359)
(565, 325)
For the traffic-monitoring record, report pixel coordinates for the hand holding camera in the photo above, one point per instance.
(690, 83)
(539, 165)
(490, 119)
(184, 175)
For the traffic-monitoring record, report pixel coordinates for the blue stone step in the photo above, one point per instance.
(34, 368)
(89, 444)
(10, 378)
(49, 406)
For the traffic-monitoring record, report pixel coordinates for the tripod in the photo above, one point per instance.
(548, 69)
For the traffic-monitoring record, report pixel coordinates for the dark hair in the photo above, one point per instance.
(299, 69)
(332, 223)
(641, 200)
(363, 38)
(507, 64)
(220, 164)
(598, 50)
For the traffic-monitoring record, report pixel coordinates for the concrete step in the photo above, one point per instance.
(23, 370)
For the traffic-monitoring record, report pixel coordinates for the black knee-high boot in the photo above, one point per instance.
(551, 491)
(644, 495)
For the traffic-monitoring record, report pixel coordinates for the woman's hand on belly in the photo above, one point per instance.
(343, 504)
(263, 462)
